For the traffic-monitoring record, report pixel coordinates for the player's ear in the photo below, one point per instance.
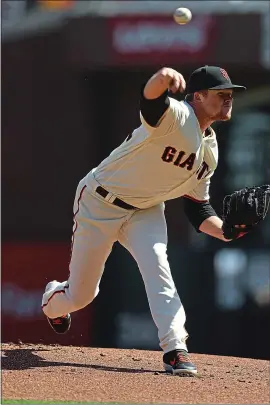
(198, 97)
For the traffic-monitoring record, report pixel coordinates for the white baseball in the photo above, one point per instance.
(182, 15)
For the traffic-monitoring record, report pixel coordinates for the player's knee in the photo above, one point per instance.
(160, 249)
(159, 254)
(152, 257)
(81, 300)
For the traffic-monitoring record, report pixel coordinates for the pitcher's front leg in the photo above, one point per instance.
(145, 236)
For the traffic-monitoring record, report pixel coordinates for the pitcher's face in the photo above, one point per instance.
(217, 104)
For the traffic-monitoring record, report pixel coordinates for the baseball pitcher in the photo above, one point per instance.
(173, 153)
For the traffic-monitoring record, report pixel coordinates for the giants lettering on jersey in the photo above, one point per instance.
(171, 155)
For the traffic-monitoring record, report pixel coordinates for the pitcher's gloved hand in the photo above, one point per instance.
(244, 209)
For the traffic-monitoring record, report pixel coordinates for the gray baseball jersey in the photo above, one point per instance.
(154, 165)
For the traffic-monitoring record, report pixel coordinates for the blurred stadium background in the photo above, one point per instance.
(71, 76)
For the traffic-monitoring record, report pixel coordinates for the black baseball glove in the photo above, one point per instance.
(244, 209)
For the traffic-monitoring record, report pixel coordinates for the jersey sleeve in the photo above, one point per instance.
(153, 109)
(201, 192)
(170, 119)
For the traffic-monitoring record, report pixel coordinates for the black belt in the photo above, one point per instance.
(101, 191)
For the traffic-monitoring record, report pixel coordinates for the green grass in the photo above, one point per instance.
(28, 401)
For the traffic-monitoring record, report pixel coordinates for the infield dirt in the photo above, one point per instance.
(56, 373)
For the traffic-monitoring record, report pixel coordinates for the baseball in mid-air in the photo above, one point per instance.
(182, 15)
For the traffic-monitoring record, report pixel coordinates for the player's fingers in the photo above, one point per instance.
(175, 84)
(182, 86)
(180, 79)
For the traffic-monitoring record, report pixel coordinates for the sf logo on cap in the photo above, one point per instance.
(224, 74)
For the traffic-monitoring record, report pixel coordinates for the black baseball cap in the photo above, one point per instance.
(210, 78)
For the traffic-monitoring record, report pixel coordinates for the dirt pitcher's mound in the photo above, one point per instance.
(116, 375)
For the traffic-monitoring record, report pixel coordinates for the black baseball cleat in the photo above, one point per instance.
(178, 362)
(61, 324)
